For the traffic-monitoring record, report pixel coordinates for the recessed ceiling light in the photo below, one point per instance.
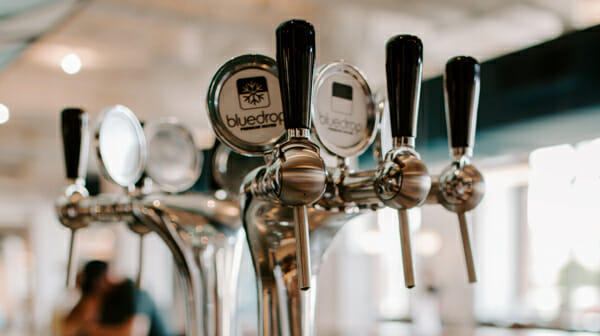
(71, 64)
(220, 194)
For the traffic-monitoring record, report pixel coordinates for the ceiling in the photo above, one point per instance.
(158, 56)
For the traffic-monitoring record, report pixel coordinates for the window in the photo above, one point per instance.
(539, 242)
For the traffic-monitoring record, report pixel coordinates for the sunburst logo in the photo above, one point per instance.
(253, 92)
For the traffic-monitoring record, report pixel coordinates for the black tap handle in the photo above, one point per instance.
(404, 65)
(461, 90)
(75, 135)
(295, 63)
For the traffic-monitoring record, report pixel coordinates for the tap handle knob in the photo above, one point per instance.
(404, 65)
(461, 91)
(74, 124)
(295, 63)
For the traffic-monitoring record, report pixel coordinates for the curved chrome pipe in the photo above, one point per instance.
(219, 258)
(211, 229)
(204, 236)
(158, 222)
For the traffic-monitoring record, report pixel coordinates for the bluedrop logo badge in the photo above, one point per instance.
(253, 92)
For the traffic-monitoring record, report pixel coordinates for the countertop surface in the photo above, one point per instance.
(404, 329)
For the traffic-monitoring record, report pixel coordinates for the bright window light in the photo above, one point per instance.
(427, 243)
(4, 113)
(71, 64)
(539, 242)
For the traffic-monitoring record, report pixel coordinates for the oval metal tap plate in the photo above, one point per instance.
(344, 118)
(244, 104)
(120, 145)
(174, 162)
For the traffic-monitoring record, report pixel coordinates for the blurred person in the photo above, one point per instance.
(111, 307)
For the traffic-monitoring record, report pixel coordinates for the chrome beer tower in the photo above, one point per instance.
(202, 232)
(293, 206)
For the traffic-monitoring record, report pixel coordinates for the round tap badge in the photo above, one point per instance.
(120, 145)
(344, 117)
(174, 162)
(244, 104)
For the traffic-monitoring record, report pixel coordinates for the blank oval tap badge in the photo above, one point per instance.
(341, 112)
(344, 116)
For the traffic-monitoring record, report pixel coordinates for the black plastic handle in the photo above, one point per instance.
(74, 134)
(295, 63)
(404, 65)
(461, 90)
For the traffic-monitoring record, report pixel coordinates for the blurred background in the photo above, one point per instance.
(536, 235)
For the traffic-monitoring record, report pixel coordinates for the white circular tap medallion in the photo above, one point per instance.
(120, 145)
(343, 111)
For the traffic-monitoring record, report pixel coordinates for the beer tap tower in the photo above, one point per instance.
(292, 207)
(195, 226)
(288, 236)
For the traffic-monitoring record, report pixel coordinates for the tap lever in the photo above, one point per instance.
(74, 125)
(404, 63)
(295, 62)
(403, 181)
(461, 91)
(461, 186)
(407, 260)
(299, 158)
(464, 232)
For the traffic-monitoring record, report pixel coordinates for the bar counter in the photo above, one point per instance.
(405, 329)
